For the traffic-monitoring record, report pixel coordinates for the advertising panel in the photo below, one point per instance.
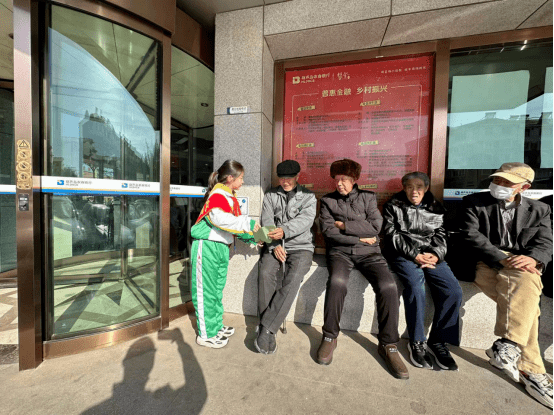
(376, 113)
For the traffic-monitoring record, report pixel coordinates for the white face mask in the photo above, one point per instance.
(501, 192)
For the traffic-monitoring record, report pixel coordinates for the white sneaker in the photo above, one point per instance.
(539, 386)
(226, 331)
(504, 356)
(216, 342)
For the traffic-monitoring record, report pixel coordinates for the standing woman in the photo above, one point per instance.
(219, 223)
(415, 246)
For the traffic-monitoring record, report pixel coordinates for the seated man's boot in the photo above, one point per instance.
(325, 351)
(397, 368)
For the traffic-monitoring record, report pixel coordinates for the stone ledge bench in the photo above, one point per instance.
(477, 312)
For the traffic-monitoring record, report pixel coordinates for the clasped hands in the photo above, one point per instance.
(523, 262)
(426, 260)
(342, 227)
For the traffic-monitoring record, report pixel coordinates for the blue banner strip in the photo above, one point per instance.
(66, 192)
(97, 192)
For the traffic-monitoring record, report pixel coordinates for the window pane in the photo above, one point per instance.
(7, 159)
(103, 124)
(104, 260)
(8, 250)
(192, 98)
(103, 100)
(500, 110)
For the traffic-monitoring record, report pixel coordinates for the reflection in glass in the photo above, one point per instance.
(104, 251)
(103, 100)
(179, 241)
(192, 98)
(7, 159)
(8, 251)
(103, 124)
(192, 113)
(500, 109)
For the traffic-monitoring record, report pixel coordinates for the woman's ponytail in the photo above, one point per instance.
(228, 168)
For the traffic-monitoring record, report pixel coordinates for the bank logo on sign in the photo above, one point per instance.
(457, 193)
(125, 185)
(60, 182)
(295, 80)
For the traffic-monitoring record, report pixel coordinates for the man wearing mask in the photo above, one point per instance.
(291, 208)
(511, 238)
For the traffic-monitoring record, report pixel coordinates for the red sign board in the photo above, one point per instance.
(376, 113)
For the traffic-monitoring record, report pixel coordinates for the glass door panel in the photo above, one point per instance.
(8, 252)
(102, 174)
(192, 97)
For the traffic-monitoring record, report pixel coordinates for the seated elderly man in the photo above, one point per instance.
(511, 238)
(415, 246)
(350, 222)
(291, 208)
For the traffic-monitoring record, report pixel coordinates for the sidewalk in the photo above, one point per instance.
(166, 373)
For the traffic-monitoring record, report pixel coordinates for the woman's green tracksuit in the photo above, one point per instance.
(219, 222)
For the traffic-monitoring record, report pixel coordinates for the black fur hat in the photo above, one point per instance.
(346, 167)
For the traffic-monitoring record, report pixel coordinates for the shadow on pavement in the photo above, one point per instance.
(251, 323)
(131, 396)
(314, 336)
(368, 346)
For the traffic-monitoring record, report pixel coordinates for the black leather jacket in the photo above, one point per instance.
(358, 210)
(411, 230)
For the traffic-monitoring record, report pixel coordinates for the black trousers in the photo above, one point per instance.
(374, 268)
(276, 292)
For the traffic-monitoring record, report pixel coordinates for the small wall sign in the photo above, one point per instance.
(238, 110)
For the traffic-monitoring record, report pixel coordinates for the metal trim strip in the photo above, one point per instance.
(80, 344)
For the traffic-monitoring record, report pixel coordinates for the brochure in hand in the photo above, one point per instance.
(261, 234)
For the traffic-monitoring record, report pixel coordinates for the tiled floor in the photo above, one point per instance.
(8, 316)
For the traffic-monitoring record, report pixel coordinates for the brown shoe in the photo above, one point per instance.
(325, 351)
(397, 368)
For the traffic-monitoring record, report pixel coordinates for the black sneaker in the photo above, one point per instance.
(442, 356)
(419, 355)
(265, 342)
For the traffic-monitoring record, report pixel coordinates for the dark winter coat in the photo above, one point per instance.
(358, 210)
(481, 228)
(411, 230)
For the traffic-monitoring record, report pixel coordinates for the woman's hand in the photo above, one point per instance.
(340, 225)
(256, 227)
(369, 241)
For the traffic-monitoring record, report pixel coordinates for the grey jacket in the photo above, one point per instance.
(296, 218)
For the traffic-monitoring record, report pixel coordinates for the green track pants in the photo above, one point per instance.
(209, 261)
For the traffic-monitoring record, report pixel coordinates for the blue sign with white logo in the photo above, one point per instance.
(125, 185)
(60, 182)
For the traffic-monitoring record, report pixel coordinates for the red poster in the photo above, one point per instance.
(376, 113)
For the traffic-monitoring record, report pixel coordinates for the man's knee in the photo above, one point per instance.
(456, 293)
(338, 283)
(414, 288)
(387, 288)
(528, 282)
